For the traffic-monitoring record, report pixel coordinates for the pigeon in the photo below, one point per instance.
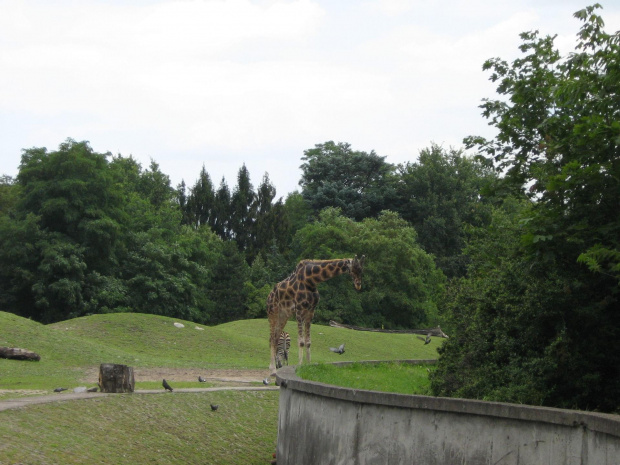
(339, 350)
(201, 379)
(214, 407)
(427, 340)
(166, 386)
(59, 389)
(266, 381)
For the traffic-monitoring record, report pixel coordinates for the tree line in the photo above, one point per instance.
(513, 250)
(85, 232)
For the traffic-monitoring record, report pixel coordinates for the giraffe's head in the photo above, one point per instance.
(357, 267)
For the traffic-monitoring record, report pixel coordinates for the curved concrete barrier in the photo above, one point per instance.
(324, 424)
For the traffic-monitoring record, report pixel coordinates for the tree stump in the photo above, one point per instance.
(14, 353)
(116, 378)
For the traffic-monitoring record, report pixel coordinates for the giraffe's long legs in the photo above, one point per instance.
(300, 336)
(273, 342)
(308, 342)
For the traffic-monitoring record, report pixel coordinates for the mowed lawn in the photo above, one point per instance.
(166, 428)
(402, 378)
(71, 351)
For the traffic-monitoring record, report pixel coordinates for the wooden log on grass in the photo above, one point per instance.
(15, 353)
(116, 378)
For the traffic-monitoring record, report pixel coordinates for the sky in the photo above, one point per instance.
(223, 83)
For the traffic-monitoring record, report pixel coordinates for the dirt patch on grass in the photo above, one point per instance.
(188, 374)
(191, 374)
(13, 393)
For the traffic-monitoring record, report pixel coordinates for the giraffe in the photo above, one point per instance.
(298, 294)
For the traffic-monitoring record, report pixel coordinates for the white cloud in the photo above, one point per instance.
(393, 7)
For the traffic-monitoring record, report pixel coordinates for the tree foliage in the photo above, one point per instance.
(359, 183)
(92, 233)
(533, 324)
(559, 137)
(9, 193)
(401, 283)
(440, 194)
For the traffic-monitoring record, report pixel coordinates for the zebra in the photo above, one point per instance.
(284, 344)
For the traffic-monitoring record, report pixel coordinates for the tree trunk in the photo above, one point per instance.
(116, 378)
(18, 354)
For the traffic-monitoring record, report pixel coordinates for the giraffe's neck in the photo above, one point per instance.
(313, 272)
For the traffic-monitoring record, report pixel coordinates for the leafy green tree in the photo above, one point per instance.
(60, 279)
(9, 193)
(259, 275)
(255, 300)
(559, 138)
(281, 226)
(91, 233)
(271, 224)
(170, 279)
(200, 204)
(67, 216)
(520, 331)
(73, 194)
(19, 259)
(440, 195)
(155, 186)
(222, 211)
(402, 286)
(359, 183)
(258, 288)
(182, 199)
(264, 223)
(242, 210)
(548, 326)
(165, 268)
(268, 268)
(227, 289)
(298, 212)
(126, 172)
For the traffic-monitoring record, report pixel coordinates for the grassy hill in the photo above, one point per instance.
(69, 348)
(162, 429)
(168, 427)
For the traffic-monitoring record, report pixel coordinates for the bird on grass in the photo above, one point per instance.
(166, 386)
(201, 379)
(427, 340)
(214, 407)
(339, 350)
(59, 389)
(266, 381)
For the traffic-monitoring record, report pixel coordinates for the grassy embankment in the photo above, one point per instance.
(72, 350)
(167, 428)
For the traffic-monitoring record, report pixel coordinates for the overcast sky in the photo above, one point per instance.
(228, 82)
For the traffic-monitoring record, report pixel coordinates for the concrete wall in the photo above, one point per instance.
(323, 424)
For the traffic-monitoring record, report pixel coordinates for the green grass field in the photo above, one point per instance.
(72, 350)
(174, 427)
(402, 378)
(161, 429)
